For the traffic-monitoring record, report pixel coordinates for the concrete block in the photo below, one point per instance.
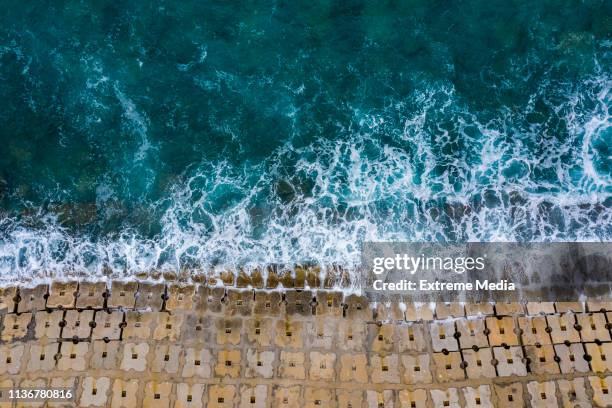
(571, 358)
(78, 325)
(289, 334)
(259, 331)
(351, 335)
(73, 357)
(509, 309)
(534, 330)
(221, 396)
(539, 308)
(479, 309)
(381, 337)
(124, 393)
(448, 366)
(573, 393)
(41, 356)
(91, 295)
(357, 307)
(599, 306)
(228, 363)
(253, 396)
(354, 368)
(10, 358)
(287, 397)
(449, 309)
(601, 356)
(384, 369)
(319, 397)
(602, 394)
(198, 363)
(228, 331)
(104, 355)
(564, 307)
(197, 328)
(8, 297)
(167, 326)
(322, 366)
(150, 296)
(411, 337)
(32, 299)
(298, 302)
(31, 384)
(189, 395)
(413, 399)
(62, 295)
(94, 392)
(417, 369)
(122, 295)
(66, 383)
(107, 325)
(416, 312)
(380, 399)
(239, 302)
(562, 328)
(209, 298)
(157, 394)
(542, 359)
(509, 396)
(389, 312)
(48, 325)
(180, 297)
(510, 361)
(349, 398)
(329, 304)
(443, 336)
(292, 365)
(477, 397)
(166, 358)
(478, 363)
(134, 356)
(15, 326)
(542, 394)
(267, 303)
(502, 331)
(259, 364)
(593, 327)
(445, 398)
(472, 333)
(320, 332)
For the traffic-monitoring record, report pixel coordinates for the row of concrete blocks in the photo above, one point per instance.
(104, 391)
(219, 299)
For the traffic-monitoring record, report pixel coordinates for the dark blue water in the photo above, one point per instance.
(173, 135)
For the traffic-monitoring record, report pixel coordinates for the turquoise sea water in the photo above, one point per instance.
(165, 135)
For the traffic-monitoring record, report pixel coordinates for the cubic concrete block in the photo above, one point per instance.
(197, 328)
(571, 358)
(600, 355)
(228, 363)
(445, 398)
(104, 355)
(15, 326)
(289, 334)
(319, 397)
(381, 337)
(166, 358)
(449, 309)
(239, 302)
(32, 299)
(209, 299)
(150, 296)
(564, 307)
(157, 394)
(384, 369)
(180, 297)
(542, 394)
(73, 357)
(417, 312)
(91, 295)
(62, 295)
(329, 304)
(357, 307)
(221, 396)
(417, 369)
(562, 328)
(593, 327)
(134, 356)
(68, 383)
(41, 356)
(10, 358)
(78, 324)
(48, 325)
(122, 295)
(448, 366)
(287, 397)
(292, 365)
(509, 309)
(322, 366)
(8, 297)
(378, 399)
(259, 331)
(479, 309)
(534, 330)
(354, 368)
(502, 331)
(602, 396)
(413, 399)
(94, 392)
(107, 325)
(389, 312)
(320, 332)
(472, 333)
(267, 303)
(411, 337)
(124, 393)
(138, 325)
(510, 361)
(477, 397)
(299, 302)
(253, 396)
(599, 306)
(167, 326)
(542, 359)
(198, 363)
(349, 398)
(259, 364)
(509, 396)
(538, 308)
(478, 363)
(189, 395)
(443, 336)
(351, 335)
(573, 393)
(228, 331)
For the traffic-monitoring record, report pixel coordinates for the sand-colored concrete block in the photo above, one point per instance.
(292, 365)
(134, 356)
(67, 383)
(599, 306)
(357, 307)
(259, 331)
(287, 397)
(48, 324)
(91, 295)
(197, 329)
(448, 366)
(209, 299)
(239, 302)
(15, 326)
(417, 312)
(259, 364)
(157, 394)
(351, 335)
(189, 395)
(94, 391)
(564, 307)
(299, 302)
(376, 399)
(417, 369)
(534, 330)
(32, 299)
(62, 295)
(509, 308)
(411, 337)
(228, 363)
(384, 369)
(602, 391)
(350, 398)
(354, 368)
(125, 393)
(150, 296)
(267, 303)
(542, 359)
(107, 325)
(180, 297)
(573, 393)
(122, 295)
(228, 331)
(320, 332)
(477, 397)
(289, 334)
(41, 356)
(593, 327)
(10, 358)
(562, 328)
(138, 325)
(78, 324)
(166, 358)
(479, 309)
(571, 358)
(502, 331)
(73, 357)
(221, 396)
(478, 363)
(510, 361)
(36, 383)
(448, 397)
(322, 366)
(104, 355)
(319, 397)
(413, 399)
(329, 304)
(198, 363)
(253, 396)
(542, 394)
(167, 326)
(540, 308)
(601, 356)
(445, 310)
(472, 333)
(509, 395)
(381, 337)
(443, 336)
(8, 297)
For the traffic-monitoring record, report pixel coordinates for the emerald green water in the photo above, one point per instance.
(193, 134)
